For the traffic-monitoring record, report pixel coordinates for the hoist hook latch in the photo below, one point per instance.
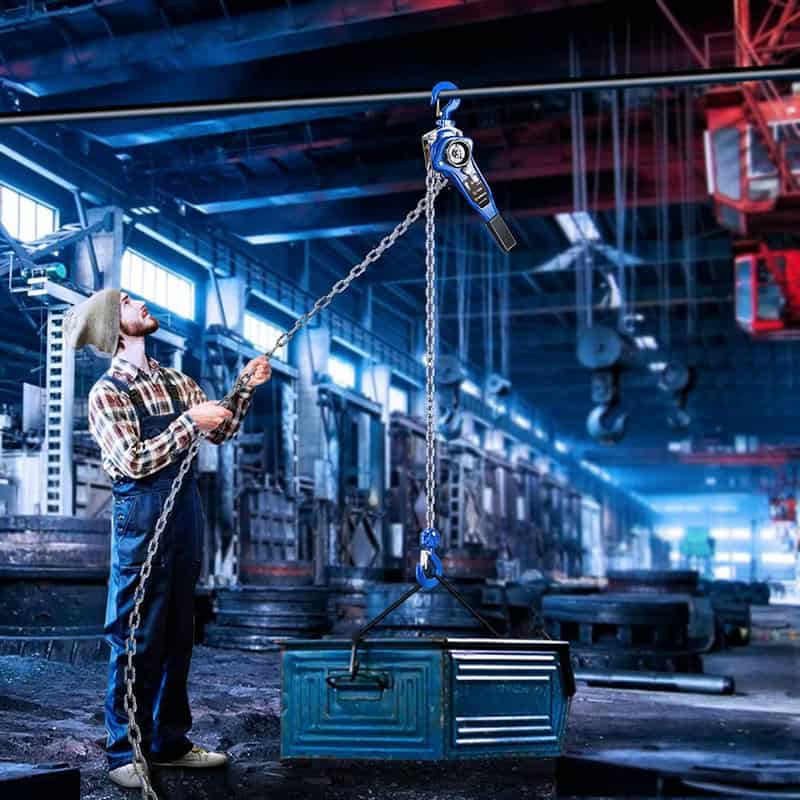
(452, 104)
(449, 152)
(429, 541)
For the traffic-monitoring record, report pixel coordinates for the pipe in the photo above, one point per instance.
(657, 681)
(653, 80)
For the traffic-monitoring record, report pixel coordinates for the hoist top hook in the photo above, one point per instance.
(443, 114)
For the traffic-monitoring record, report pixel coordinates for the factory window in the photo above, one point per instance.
(735, 557)
(778, 558)
(263, 334)
(724, 573)
(731, 534)
(398, 400)
(24, 218)
(343, 373)
(670, 533)
(151, 281)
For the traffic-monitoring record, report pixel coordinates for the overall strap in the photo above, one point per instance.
(178, 406)
(133, 394)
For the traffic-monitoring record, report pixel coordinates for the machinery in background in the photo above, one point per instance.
(752, 153)
(767, 290)
(406, 494)
(348, 508)
(251, 484)
(355, 436)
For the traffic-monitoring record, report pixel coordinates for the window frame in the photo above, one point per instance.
(250, 316)
(158, 270)
(38, 205)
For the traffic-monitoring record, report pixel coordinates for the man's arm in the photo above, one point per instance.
(115, 427)
(242, 398)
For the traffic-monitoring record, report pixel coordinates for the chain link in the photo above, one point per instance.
(430, 347)
(434, 184)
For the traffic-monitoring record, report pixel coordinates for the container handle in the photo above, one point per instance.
(361, 680)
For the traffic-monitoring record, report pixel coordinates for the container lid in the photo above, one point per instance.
(449, 644)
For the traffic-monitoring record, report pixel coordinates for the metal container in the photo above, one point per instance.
(424, 699)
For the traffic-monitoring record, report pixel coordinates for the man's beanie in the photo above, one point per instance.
(94, 322)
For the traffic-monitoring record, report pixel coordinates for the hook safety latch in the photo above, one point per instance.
(429, 541)
(451, 154)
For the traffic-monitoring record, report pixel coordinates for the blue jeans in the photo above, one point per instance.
(165, 637)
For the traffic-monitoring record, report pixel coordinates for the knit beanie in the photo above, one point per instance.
(95, 322)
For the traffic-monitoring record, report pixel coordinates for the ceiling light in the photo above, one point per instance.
(657, 366)
(520, 421)
(470, 387)
(578, 226)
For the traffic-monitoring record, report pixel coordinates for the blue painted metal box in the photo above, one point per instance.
(424, 698)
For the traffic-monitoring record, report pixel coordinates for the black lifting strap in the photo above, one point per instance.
(362, 632)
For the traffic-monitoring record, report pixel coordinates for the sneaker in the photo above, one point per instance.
(198, 758)
(125, 776)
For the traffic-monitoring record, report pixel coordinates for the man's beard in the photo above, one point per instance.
(141, 327)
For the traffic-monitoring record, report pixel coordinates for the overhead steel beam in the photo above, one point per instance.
(618, 83)
(520, 200)
(279, 31)
(506, 165)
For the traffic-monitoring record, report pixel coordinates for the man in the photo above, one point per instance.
(144, 418)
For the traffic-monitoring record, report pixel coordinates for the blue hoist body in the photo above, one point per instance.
(451, 154)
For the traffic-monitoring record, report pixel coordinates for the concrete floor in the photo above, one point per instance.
(53, 712)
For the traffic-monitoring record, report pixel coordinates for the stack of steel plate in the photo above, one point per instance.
(53, 586)
(276, 573)
(683, 584)
(431, 612)
(731, 601)
(350, 587)
(624, 631)
(256, 617)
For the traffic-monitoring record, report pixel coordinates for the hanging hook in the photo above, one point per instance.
(443, 115)
(429, 541)
(605, 426)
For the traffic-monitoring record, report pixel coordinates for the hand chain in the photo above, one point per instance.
(434, 185)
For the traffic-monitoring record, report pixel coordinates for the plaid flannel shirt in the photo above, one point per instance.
(115, 427)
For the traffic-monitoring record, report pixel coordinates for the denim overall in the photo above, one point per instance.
(165, 637)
